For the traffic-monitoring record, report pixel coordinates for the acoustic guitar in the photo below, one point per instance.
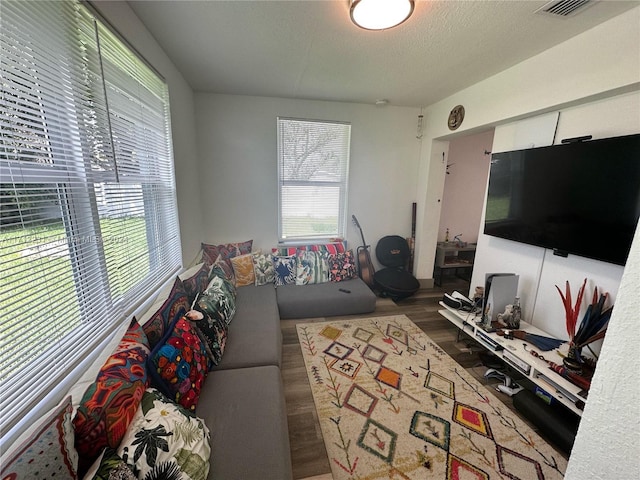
(364, 258)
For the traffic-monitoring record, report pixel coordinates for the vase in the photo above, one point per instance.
(572, 361)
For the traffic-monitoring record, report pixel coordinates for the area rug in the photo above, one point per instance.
(392, 404)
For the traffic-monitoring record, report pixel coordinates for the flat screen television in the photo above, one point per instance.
(579, 198)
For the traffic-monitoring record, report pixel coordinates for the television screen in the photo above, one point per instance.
(578, 198)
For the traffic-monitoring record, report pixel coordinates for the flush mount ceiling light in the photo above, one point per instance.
(380, 14)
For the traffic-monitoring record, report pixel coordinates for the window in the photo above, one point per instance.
(313, 166)
(88, 217)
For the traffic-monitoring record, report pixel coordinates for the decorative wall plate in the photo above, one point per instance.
(456, 117)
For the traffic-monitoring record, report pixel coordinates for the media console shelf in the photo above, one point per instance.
(450, 255)
(514, 353)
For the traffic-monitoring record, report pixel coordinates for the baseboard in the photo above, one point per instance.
(426, 282)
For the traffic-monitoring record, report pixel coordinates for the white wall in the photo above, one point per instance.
(464, 186)
(238, 168)
(185, 153)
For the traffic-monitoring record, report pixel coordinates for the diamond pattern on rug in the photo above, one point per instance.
(440, 384)
(458, 469)
(410, 412)
(432, 429)
(374, 354)
(362, 335)
(347, 367)
(378, 440)
(517, 466)
(360, 401)
(330, 332)
(472, 418)
(389, 377)
(398, 334)
(338, 350)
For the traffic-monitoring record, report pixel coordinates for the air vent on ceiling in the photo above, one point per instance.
(564, 8)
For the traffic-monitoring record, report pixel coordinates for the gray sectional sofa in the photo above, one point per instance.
(242, 400)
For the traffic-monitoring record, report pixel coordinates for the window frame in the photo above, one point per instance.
(342, 184)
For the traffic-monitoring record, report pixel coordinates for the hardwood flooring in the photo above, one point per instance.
(308, 454)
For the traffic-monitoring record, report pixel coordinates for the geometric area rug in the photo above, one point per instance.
(393, 405)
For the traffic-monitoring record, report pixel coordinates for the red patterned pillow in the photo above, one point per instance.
(108, 404)
(178, 364)
(342, 266)
(226, 251)
(196, 283)
(176, 305)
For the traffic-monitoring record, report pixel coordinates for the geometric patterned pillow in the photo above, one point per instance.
(176, 305)
(341, 266)
(226, 251)
(166, 441)
(312, 268)
(46, 452)
(178, 365)
(243, 270)
(285, 269)
(109, 403)
(263, 268)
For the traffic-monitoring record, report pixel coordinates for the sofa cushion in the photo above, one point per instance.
(225, 251)
(243, 270)
(263, 268)
(109, 403)
(285, 269)
(254, 337)
(325, 299)
(246, 412)
(342, 266)
(45, 450)
(178, 364)
(160, 316)
(167, 440)
(312, 268)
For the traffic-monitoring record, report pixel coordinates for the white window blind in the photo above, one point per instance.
(313, 166)
(88, 217)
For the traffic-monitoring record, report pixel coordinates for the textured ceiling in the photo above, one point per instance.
(310, 49)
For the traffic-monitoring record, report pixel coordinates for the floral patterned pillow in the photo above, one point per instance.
(178, 365)
(214, 333)
(218, 301)
(285, 269)
(176, 305)
(166, 441)
(243, 270)
(223, 269)
(263, 268)
(109, 403)
(210, 253)
(312, 268)
(342, 266)
(196, 283)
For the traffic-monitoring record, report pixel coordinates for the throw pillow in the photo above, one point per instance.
(226, 251)
(341, 266)
(263, 268)
(223, 269)
(213, 332)
(166, 441)
(176, 305)
(196, 281)
(178, 364)
(45, 450)
(109, 466)
(218, 301)
(243, 270)
(285, 269)
(109, 403)
(312, 268)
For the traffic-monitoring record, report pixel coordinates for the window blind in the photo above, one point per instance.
(88, 216)
(313, 166)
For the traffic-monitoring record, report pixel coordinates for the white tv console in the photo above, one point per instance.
(516, 353)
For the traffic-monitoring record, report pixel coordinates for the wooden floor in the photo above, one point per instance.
(308, 454)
